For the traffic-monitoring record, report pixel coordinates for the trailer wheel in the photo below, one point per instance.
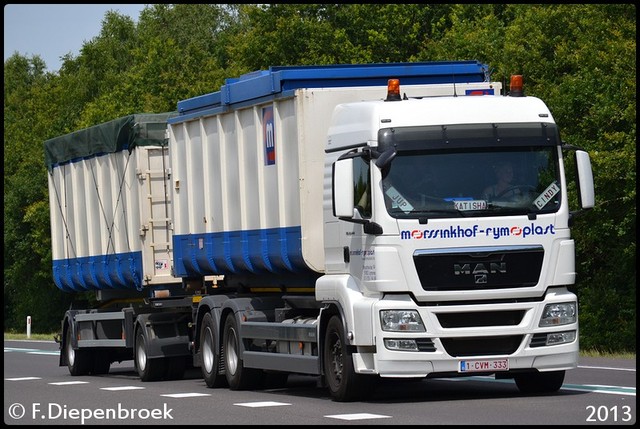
(539, 382)
(148, 369)
(78, 361)
(343, 382)
(101, 363)
(238, 377)
(210, 354)
(176, 366)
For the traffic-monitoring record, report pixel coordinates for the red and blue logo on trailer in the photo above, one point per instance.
(268, 136)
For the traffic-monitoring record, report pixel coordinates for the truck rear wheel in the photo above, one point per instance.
(176, 366)
(148, 369)
(210, 353)
(343, 382)
(78, 361)
(238, 377)
(540, 382)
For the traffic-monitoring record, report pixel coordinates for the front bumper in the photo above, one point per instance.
(486, 332)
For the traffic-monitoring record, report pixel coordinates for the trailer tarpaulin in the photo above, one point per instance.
(119, 134)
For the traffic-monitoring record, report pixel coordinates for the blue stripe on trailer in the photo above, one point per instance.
(115, 271)
(273, 250)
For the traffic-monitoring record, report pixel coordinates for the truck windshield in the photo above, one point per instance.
(472, 182)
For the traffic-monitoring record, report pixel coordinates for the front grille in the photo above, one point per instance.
(480, 318)
(539, 340)
(425, 345)
(482, 346)
(479, 268)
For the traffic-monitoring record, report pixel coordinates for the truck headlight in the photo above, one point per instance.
(562, 313)
(401, 321)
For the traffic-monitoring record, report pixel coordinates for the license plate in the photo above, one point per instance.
(489, 365)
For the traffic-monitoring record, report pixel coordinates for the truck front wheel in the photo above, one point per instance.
(540, 382)
(343, 382)
(210, 353)
(238, 377)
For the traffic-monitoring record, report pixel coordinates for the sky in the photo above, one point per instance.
(54, 30)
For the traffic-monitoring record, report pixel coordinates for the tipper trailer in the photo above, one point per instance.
(324, 220)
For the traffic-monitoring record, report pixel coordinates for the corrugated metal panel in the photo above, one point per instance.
(110, 220)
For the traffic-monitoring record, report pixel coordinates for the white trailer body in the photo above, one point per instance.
(110, 209)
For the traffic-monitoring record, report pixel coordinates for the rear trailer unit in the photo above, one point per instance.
(111, 229)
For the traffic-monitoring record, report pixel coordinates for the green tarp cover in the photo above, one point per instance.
(142, 129)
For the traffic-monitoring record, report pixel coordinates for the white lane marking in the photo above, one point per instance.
(119, 388)
(31, 351)
(358, 416)
(261, 404)
(18, 349)
(68, 383)
(607, 367)
(185, 395)
(599, 388)
(614, 390)
(22, 378)
(611, 392)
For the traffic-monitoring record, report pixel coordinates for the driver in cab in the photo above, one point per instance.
(503, 186)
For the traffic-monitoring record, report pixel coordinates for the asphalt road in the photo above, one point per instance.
(39, 392)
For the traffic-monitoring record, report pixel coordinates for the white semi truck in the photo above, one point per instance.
(342, 221)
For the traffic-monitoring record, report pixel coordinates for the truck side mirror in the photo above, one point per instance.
(342, 183)
(585, 180)
(385, 158)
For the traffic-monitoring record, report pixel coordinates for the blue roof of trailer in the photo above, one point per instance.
(279, 79)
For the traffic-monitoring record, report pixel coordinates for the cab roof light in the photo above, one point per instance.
(393, 90)
(515, 88)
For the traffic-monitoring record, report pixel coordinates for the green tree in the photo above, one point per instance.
(28, 289)
(297, 34)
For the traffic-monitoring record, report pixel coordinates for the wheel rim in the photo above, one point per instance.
(231, 351)
(141, 357)
(207, 350)
(71, 354)
(336, 359)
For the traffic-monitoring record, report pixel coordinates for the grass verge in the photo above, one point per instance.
(39, 337)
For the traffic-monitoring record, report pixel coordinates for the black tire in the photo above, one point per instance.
(101, 362)
(539, 382)
(176, 366)
(343, 382)
(78, 361)
(148, 369)
(238, 377)
(210, 354)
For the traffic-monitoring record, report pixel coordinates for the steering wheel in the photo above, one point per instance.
(512, 189)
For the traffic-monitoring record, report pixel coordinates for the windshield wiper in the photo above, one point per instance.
(424, 215)
(510, 209)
